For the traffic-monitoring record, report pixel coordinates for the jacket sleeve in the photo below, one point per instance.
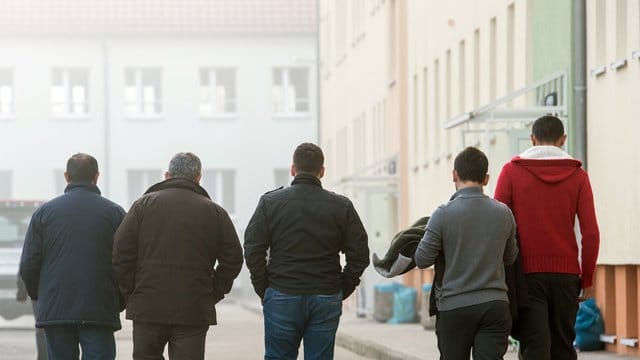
(31, 259)
(256, 243)
(430, 247)
(229, 259)
(511, 248)
(589, 231)
(502, 192)
(356, 250)
(125, 252)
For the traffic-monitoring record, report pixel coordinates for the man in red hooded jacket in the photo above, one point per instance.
(546, 189)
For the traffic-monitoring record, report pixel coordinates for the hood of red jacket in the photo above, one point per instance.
(549, 170)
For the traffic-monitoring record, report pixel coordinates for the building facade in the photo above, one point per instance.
(613, 65)
(362, 89)
(478, 73)
(133, 84)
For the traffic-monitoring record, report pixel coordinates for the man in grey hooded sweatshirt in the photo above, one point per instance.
(475, 235)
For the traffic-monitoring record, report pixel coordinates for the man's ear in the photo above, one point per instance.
(293, 170)
(534, 141)
(95, 179)
(454, 175)
(167, 176)
(561, 141)
(198, 178)
(67, 178)
(321, 174)
(486, 180)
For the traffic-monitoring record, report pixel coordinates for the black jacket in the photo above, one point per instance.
(165, 252)
(304, 228)
(66, 259)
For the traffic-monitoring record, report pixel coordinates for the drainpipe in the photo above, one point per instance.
(318, 86)
(106, 164)
(580, 80)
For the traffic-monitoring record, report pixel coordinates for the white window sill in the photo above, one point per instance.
(70, 117)
(292, 116)
(144, 117)
(219, 117)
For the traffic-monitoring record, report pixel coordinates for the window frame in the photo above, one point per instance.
(68, 102)
(212, 84)
(140, 102)
(285, 103)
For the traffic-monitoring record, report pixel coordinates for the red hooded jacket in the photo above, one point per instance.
(545, 196)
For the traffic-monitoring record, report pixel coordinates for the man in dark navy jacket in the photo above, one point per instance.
(66, 266)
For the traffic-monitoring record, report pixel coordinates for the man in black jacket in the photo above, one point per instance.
(304, 228)
(165, 254)
(66, 266)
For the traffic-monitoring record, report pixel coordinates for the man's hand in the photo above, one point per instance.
(585, 294)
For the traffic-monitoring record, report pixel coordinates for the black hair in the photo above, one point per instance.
(82, 168)
(308, 158)
(547, 129)
(471, 165)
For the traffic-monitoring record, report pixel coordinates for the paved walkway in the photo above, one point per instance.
(409, 341)
(239, 336)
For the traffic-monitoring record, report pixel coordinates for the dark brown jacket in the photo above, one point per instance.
(165, 251)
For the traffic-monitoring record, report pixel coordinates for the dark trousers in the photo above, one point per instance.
(288, 319)
(41, 345)
(483, 328)
(97, 342)
(548, 324)
(185, 342)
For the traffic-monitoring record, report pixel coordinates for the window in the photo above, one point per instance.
(416, 120)
(510, 48)
(5, 184)
(290, 90)
(462, 77)
(492, 59)
(143, 91)
(425, 113)
(69, 92)
(341, 38)
(138, 181)
(282, 177)
(601, 32)
(6, 92)
(359, 142)
(476, 68)
(436, 106)
(217, 91)
(221, 186)
(392, 41)
(621, 29)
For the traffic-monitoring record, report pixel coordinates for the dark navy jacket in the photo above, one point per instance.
(66, 259)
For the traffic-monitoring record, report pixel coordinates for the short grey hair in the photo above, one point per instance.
(186, 165)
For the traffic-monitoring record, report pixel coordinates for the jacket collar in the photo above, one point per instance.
(178, 183)
(82, 186)
(470, 191)
(306, 179)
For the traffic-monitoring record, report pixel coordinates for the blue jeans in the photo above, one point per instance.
(291, 318)
(97, 342)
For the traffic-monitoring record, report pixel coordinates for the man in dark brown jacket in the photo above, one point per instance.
(164, 256)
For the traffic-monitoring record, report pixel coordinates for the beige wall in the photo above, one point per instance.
(435, 55)
(613, 110)
(354, 80)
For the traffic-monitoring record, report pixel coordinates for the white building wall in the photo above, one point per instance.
(253, 143)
